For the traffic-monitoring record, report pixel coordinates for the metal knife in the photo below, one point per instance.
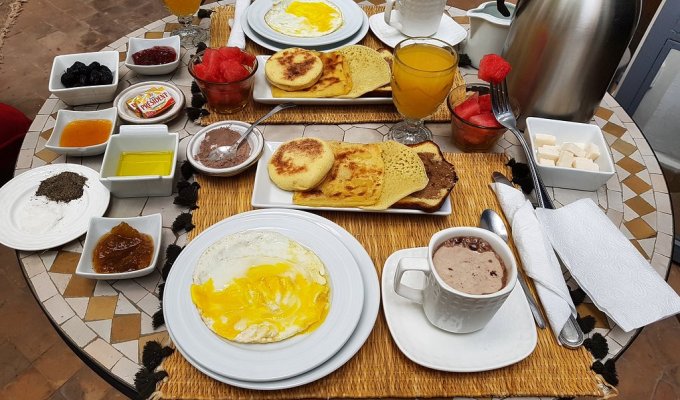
(571, 335)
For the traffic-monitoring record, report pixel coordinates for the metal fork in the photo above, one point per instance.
(500, 104)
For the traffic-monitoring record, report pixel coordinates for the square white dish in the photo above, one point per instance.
(262, 93)
(99, 226)
(85, 94)
(64, 117)
(268, 195)
(139, 138)
(138, 44)
(508, 338)
(565, 131)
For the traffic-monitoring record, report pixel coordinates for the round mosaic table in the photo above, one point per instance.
(109, 322)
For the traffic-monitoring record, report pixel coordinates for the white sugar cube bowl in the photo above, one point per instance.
(574, 132)
(64, 117)
(99, 226)
(138, 44)
(84, 94)
(139, 138)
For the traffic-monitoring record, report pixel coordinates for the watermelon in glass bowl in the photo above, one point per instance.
(473, 125)
(225, 77)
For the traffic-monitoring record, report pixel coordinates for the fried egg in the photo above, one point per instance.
(304, 18)
(260, 287)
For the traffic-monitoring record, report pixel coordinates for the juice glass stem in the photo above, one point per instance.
(190, 35)
(410, 131)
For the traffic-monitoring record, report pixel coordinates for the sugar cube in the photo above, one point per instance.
(585, 164)
(566, 159)
(548, 152)
(542, 139)
(574, 149)
(546, 161)
(592, 151)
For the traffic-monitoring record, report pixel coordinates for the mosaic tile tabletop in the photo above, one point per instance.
(111, 320)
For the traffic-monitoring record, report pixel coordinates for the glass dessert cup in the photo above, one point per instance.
(225, 97)
(470, 137)
(189, 34)
(422, 75)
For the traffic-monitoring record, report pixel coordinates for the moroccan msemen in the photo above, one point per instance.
(335, 79)
(356, 178)
(260, 287)
(368, 69)
(404, 174)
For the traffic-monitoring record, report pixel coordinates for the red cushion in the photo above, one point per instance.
(13, 127)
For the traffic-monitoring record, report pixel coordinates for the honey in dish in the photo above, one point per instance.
(85, 132)
(122, 249)
(139, 163)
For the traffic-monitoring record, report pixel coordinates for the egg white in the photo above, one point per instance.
(291, 25)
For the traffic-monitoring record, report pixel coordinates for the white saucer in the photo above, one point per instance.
(126, 114)
(449, 30)
(276, 46)
(508, 338)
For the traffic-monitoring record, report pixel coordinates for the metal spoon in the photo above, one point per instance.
(228, 152)
(493, 222)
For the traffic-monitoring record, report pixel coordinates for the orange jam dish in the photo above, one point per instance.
(85, 132)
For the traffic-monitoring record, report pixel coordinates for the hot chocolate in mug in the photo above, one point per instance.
(416, 17)
(446, 307)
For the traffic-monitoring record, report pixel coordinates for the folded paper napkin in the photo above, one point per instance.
(538, 258)
(616, 277)
(237, 38)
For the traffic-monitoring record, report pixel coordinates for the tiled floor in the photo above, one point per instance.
(36, 364)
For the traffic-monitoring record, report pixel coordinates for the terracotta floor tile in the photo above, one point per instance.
(58, 364)
(85, 385)
(13, 363)
(28, 385)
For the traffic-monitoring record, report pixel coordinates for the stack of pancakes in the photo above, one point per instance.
(372, 176)
(349, 72)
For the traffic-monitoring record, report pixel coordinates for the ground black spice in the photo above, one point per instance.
(64, 187)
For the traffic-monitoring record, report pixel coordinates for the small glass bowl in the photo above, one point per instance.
(225, 98)
(470, 137)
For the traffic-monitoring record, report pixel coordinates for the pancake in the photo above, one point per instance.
(335, 79)
(368, 69)
(404, 174)
(293, 69)
(356, 178)
(300, 164)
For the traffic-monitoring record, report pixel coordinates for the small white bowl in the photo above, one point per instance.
(565, 131)
(99, 226)
(84, 94)
(64, 117)
(138, 44)
(255, 140)
(138, 138)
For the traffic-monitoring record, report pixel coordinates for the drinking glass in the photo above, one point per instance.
(190, 35)
(422, 75)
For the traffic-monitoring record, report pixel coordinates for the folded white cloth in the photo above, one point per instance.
(616, 277)
(538, 258)
(237, 38)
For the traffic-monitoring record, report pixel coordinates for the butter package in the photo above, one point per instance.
(151, 103)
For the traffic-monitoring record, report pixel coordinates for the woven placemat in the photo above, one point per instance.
(379, 369)
(308, 114)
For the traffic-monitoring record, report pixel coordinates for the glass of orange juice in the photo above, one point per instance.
(422, 76)
(190, 34)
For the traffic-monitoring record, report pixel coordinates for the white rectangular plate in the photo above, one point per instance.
(267, 195)
(262, 93)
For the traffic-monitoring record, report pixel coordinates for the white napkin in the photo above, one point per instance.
(236, 37)
(538, 258)
(616, 277)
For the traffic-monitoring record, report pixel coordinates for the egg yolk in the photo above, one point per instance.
(271, 294)
(318, 14)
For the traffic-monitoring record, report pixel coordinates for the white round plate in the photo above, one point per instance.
(449, 30)
(508, 338)
(33, 223)
(273, 361)
(276, 46)
(363, 329)
(126, 114)
(351, 16)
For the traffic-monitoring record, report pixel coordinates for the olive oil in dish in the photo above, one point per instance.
(140, 163)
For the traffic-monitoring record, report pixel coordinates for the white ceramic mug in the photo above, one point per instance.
(416, 17)
(445, 307)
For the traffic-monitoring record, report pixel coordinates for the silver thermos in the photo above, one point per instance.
(564, 54)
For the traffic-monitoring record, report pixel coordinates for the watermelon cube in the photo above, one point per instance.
(485, 103)
(485, 119)
(493, 68)
(468, 108)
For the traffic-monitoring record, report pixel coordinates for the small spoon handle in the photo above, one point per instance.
(273, 111)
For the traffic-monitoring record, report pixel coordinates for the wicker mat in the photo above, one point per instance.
(219, 32)
(379, 369)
